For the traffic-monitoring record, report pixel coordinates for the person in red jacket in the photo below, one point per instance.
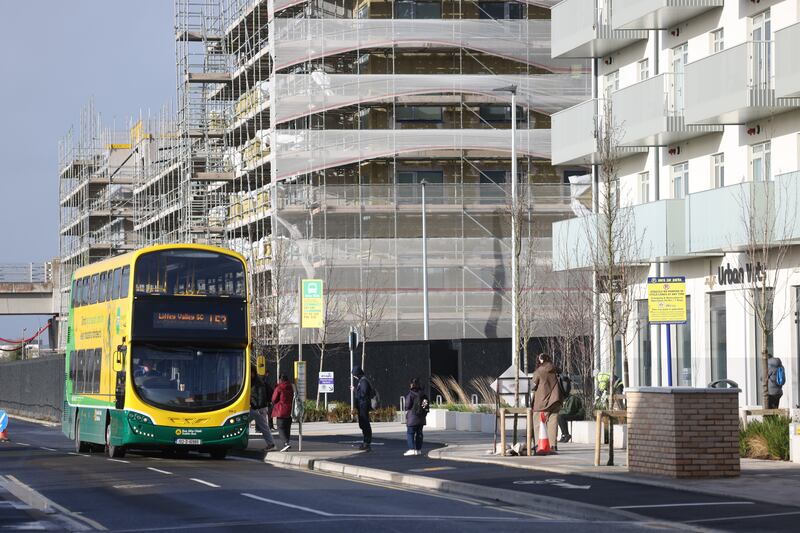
(282, 409)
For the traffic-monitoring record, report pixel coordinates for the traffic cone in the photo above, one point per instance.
(4, 436)
(543, 447)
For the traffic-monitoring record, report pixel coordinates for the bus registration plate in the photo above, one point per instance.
(188, 441)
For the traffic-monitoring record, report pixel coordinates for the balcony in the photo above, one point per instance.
(659, 232)
(787, 62)
(582, 29)
(734, 86)
(651, 113)
(657, 14)
(725, 227)
(574, 134)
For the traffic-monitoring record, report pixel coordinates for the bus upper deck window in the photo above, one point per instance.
(102, 291)
(123, 286)
(95, 288)
(115, 283)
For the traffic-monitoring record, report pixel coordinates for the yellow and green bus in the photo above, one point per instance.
(158, 351)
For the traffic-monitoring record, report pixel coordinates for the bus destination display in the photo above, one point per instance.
(168, 320)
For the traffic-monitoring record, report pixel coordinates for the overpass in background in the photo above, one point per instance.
(28, 289)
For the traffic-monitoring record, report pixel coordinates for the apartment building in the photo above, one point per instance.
(304, 133)
(703, 97)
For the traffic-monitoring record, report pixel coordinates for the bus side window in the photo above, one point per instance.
(73, 367)
(74, 293)
(81, 291)
(97, 367)
(103, 286)
(115, 283)
(78, 383)
(126, 276)
(85, 290)
(95, 288)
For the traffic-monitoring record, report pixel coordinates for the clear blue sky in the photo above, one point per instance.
(54, 56)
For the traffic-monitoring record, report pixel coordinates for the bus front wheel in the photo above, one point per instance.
(80, 446)
(113, 451)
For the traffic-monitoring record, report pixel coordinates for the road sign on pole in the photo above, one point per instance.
(3, 420)
(311, 304)
(326, 382)
(353, 341)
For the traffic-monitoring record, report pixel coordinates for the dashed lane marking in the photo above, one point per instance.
(48, 449)
(691, 504)
(208, 484)
(78, 454)
(118, 461)
(159, 470)
(289, 505)
(22, 444)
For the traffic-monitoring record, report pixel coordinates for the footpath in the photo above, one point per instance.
(765, 497)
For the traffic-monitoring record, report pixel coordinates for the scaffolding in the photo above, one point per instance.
(304, 128)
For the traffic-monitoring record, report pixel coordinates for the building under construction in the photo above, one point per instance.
(303, 135)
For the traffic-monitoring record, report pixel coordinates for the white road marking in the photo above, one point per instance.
(555, 482)
(130, 486)
(159, 471)
(204, 482)
(433, 469)
(29, 526)
(692, 504)
(78, 454)
(118, 461)
(289, 505)
(743, 517)
(48, 449)
(22, 444)
(248, 459)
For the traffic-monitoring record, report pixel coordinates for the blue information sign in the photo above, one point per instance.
(3, 420)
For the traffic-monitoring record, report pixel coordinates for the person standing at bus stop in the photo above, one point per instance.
(546, 397)
(259, 402)
(363, 400)
(282, 399)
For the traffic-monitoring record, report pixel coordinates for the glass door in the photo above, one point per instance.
(762, 50)
(680, 56)
(718, 336)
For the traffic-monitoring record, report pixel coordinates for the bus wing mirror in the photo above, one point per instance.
(261, 365)
(119, 358)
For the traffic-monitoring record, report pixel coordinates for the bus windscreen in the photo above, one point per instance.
(189, 272)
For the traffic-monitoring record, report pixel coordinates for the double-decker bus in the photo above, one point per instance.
(158, 352)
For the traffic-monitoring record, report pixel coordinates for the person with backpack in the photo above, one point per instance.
(259, 403)
(546, 397)
(364, 396)
(418, 407)
(282, 399)
(775, 382)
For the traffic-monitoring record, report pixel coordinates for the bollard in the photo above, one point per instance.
(474, 399)
(402, 403)
(438, 399)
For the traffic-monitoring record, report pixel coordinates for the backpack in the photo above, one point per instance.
(374, 397)
(780, 376)
(422, 406)
(564, 385)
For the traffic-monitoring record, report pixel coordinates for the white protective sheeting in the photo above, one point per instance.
(301, 151)
(303, 94)
(527, 41)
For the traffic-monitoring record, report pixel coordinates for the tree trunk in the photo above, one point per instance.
(364, 354)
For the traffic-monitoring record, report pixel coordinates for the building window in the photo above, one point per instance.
(499, 113)
(363, 12)
(645, 346)
(499, 10)
(718, 164)
(612, 83)
(644, 187)
(683, 345)
(770, 298)
(409, 9)
(717, 315)
(680, 180)
(644, 69)
(760, 161)
(718, 40)
(409, 190)
(418, 113)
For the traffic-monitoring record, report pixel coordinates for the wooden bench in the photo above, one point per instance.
(620, 415)
(761, 412)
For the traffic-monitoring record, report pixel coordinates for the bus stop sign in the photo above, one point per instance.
(3, 420)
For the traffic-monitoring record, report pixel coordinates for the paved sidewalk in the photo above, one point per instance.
(766, 481)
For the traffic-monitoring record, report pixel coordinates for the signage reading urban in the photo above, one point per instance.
(732, 276)
(164, 320)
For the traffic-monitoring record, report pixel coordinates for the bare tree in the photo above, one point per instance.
(768, 214)
(278, 306)
(368, 306)
(332, 313)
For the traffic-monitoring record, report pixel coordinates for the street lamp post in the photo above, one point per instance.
(512, 89)
(425, 308)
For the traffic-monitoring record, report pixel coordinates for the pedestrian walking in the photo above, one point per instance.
(417, 405)
(777, 378)
(363, 398)
(270, 390)
(282, 409)
(259, 402)
(546, 397)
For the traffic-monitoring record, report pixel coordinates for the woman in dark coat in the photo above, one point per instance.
(417, 408)
(546, 397)
(282, 409)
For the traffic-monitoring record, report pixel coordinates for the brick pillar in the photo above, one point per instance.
(683, 432)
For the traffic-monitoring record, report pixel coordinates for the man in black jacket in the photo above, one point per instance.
(259, 402)
(363, 401)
